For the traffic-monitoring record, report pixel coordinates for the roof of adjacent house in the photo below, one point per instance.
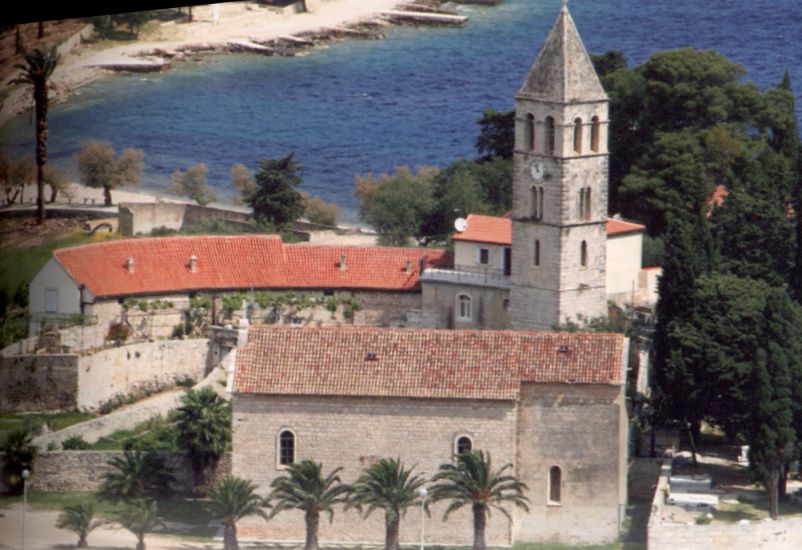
(163, 264)
(424, 363)
(498, 230)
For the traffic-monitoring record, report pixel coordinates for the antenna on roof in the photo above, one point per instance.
(460, 224)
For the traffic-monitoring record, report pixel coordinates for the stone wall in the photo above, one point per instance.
(643, 476)
(783, 534)
(489, 305)
(142, 218)
(61, 471)
(122, 370)
(38, 382)
(354, 432)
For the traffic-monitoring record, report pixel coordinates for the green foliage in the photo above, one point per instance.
(136, 475)
(276, 199)
(319, 211)
(118, 332)
(20, 453)
(80, 519)
(653, 251)
(471, 480)
(305, 488)
(140, 517)
(388, 486)
(192, 184)
(609, 62)
(497, 135)
(75, 443)
(99, 167)
(232, 302)
(203, 423)
(231, 500)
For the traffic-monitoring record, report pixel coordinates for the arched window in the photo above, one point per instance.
(529, 132)
(578, 135)
(584, 203)
(595, 130)
(537, 253)
(286, 447)
(463, 307)
(583, 254)
(550, 135)
(555, 485)
(537, 202)
(463, 444)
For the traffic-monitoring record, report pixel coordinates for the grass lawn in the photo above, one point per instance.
(55, 421)
(156, 433)
(753, 508)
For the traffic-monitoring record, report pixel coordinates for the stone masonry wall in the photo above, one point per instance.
(38, 382)
(354, 432)
(60, 471)
(121, 370)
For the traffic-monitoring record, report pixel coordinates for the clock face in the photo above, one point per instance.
(537, 169)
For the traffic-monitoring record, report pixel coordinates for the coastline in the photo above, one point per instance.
(240, 26)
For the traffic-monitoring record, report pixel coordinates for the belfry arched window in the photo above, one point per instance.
(583, 254)
(595, 130)
(551, 137)
(537, 202)
(536, 262)
(578, 135)
(529, 132)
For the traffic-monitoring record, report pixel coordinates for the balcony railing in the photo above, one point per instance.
(469, 276)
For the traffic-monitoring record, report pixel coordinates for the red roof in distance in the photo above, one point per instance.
(498, 230)
(162, 265)
(422, 363)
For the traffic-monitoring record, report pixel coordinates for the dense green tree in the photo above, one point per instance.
(39, 66)
(101, 168)
(231, 500)
(140, 516)
(609, 62)
(471, 480)
(276, 199)
(203, 425)
(192, 183)
(387, 485)
(19, 452)
(15, 174)
(496, 135)
(305, 488)
(136, 474)
(80, 519)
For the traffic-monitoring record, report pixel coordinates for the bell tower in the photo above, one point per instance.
(560, 185)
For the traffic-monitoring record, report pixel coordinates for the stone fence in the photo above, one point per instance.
(783, 534)
(61, 471)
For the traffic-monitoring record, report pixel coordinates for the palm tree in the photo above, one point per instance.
(470, 479)
(232, 499)
(387, 485)
(140, 516)
(20, 453)
(79, 518)
(136, 475)
(305, 488)
(39, 65)
(204, 429)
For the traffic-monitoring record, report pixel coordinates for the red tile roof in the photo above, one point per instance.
(162, 265)
(498, 230)
(449, 364)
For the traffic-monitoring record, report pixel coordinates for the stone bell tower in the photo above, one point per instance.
(560, 183)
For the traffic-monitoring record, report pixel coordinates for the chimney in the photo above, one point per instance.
(129, 264)
(343, 267)
(408, 267)
(193, 264)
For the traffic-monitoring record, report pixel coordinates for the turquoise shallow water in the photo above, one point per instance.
(368, 106)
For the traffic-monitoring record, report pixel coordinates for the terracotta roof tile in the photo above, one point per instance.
(464, 364)
(498, 230)
(162, 265)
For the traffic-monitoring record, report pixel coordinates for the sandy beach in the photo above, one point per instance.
(236, 22)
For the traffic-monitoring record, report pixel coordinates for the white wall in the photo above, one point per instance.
(623, 262)
(466, 255)
(54, 276)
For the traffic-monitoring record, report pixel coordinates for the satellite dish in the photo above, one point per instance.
(460, 224)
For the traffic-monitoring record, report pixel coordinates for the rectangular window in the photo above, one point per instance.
(537, 253)
(484, 256)
(51, 300)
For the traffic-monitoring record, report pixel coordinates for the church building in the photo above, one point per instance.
(551, 404)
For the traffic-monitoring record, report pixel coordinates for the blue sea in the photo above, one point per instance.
(358, 107)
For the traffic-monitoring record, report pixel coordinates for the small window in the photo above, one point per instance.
(584, 203)
(529, 132)
(464, 307)
(484, 256)
(463, 444)
(578, 135)
(537, 253)
(51, 300)
(537, 202)
(551, 137)
(286, 448)
(297, 321)
(595, 130)
(506, 304)
(555, 485)
(583, 254)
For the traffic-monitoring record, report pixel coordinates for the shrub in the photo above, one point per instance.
(75, 443)
(118, 332)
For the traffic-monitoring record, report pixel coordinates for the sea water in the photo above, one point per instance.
(412, 99)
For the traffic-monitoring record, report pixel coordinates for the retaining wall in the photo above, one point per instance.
(38, 382)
